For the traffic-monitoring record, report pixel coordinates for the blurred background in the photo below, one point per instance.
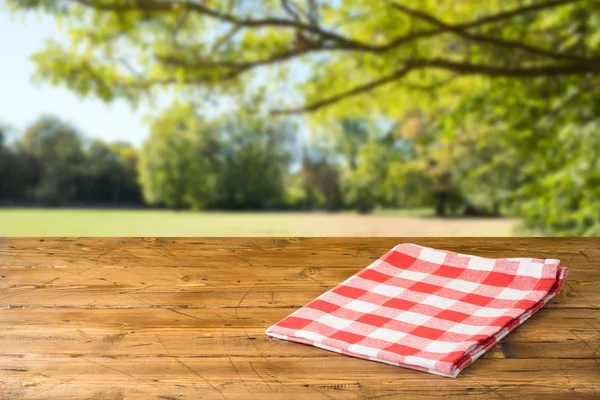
(299, 118)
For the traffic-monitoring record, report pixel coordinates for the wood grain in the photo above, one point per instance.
(171, 318)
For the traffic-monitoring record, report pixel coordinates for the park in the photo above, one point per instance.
(469, 110)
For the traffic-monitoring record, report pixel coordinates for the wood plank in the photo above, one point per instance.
(236, 286)
(574, 296)
(180, 279)
(271, 252)
(46, 377)
(220, 332)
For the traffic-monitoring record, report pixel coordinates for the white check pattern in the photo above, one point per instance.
(431, 310)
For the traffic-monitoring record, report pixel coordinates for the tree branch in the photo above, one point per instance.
(516, 12)
(447, 65)
(145, 85)
(181, 20)
(499, 71)
(157, 5)
(290, 10)
(504, 15)
(329, 40)
(461, 31)
(226, 38)
(341, 43)
(431, 87)
(276, 58)
(350, 93)
(345, 42)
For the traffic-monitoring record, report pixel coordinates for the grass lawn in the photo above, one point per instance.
(101, 222)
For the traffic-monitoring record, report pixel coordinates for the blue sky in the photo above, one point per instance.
(22, 101)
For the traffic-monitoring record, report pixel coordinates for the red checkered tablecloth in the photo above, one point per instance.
(431, 310)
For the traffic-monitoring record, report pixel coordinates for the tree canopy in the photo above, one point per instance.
(51, 163)
(238, 162)
(129, 48)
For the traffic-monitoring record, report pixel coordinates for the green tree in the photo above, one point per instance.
(361, 179)
(253, 161)
(321, 180)
(15, 175)
(56, 154)
(365, 151)
(545, 141)
(176, 164)
(407, 186)
(111, 173)
(128, 180)
(353, 161)
(125, 48)
(3, 130)
(239, 162)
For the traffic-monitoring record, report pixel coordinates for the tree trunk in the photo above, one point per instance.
(440, 204)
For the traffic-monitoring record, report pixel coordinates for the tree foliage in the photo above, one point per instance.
(543, 141)
(15, 177)
(321, 181)
(254, 157)
(56, 149)
(175, 164)
(240, 162)
(126, 48)
(52, 164)
(110, 174)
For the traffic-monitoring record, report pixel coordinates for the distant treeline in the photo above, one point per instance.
(50, 164)
(241, 163)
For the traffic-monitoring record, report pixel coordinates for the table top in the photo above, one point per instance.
(184, 318)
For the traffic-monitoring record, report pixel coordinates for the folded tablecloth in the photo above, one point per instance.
(431, 310)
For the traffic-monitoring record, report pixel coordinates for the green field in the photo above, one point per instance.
(99, 222)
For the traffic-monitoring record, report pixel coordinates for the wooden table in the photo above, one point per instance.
(175, 319)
